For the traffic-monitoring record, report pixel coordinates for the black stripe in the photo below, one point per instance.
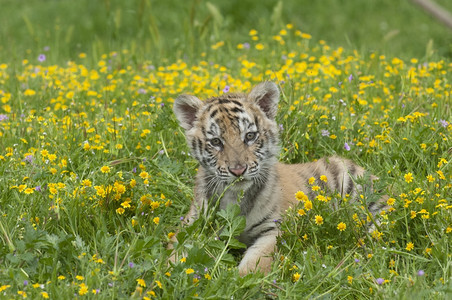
(334, 169)
(352, 170)
(262, 221)
(349, 185)
(254, 237)
(237, 110)
(213, 114)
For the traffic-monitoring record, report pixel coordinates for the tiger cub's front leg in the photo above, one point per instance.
(258, 257)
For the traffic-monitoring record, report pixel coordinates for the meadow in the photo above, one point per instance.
(96, 175)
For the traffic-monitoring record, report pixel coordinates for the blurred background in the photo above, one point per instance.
(157, 29)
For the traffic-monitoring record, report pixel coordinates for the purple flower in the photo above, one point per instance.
(380, 281)
(29, 158)
(181, 218)
(340, 83)
(246, 45)
(41, 57)
(25, 282)
(38, 188)
(142, 91)
(226, 89)
(134, 170)
(350, 78)
(443, 123)
(325, 132)
(131, 264)
(46, 48)
(346, 146)
(356, 260)
(3, 117)
(420, 273)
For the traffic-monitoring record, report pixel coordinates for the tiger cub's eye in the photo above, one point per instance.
(250, 136)
(216, 142)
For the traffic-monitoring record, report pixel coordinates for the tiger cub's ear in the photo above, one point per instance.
(185, 108)
(266, 96)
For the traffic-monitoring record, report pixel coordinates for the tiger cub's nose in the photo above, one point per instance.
(238, 170)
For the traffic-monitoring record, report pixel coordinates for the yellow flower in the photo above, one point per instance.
(86, 182)
(441, 175)
(408, 177)
(189, 271)
(159, 284)
(441, 162)
(61, 277)
(156, 220)
(341, 226)
(311, 180)
(83, 289)
(133, 183)
(409, 246)
(260, 46)
(155, 204)
(29, 191)
(390, 201)
(300, 196)
(350, 279)
(141, 282)
(120, 210)
(296, 277)
(318, 220)
(79, 277)
(323, 178)
(308, 205)
(315, 188)
(430, 178)
(321, 198)
(301, 212)
(105, 169)
(29, 92)
(144, 175)
(125, 204)
(45, 295)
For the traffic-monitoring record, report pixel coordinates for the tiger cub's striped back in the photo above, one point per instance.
(235, 139)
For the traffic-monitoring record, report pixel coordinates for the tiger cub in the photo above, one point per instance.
(235, 139)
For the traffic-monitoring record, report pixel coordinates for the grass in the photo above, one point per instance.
(96, 175)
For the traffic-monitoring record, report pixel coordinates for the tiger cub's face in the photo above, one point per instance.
(233, 135)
